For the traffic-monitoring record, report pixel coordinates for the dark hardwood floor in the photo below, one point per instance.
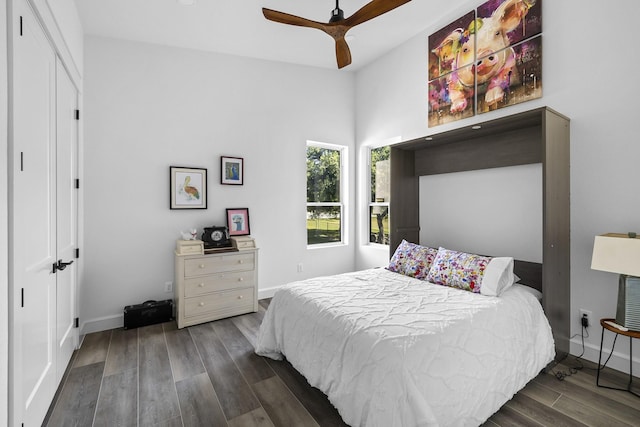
(208, 375)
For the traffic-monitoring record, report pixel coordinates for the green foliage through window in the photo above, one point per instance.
(323, 175)
(323, 225)
(380, 194)
(324, 204)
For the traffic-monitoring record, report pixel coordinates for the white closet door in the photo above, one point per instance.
(67, 216)
(33, 231)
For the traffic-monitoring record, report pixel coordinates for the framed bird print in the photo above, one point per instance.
(232, 170)
(188, 188)
(238, 221)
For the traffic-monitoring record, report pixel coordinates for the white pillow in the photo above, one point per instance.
(498, 276)
(536, 293)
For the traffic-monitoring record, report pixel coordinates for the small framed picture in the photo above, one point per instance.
(188, 188)
(238, 222)
(232, 171)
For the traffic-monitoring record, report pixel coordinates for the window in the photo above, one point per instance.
(380, 195)
(325, 163)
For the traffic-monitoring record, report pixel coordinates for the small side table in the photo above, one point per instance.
(631, 335)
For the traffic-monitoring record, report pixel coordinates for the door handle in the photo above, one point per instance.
(61, 265)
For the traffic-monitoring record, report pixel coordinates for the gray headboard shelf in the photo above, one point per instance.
(536, 136)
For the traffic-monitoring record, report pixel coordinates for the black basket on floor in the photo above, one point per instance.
(148, 313)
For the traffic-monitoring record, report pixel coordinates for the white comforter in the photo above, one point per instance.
(389, 350)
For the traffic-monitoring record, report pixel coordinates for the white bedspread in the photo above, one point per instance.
(389, 350)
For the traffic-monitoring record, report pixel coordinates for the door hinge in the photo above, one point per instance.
(21, 25)
(22, 297)
(77, 322)
(77, 253)
(77, 183)
(77, 114)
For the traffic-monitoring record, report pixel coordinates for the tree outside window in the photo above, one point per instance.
(380, 195)
(324, 195)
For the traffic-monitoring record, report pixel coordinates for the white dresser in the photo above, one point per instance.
(217, 285)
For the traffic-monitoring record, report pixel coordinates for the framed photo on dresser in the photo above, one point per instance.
(238, 221)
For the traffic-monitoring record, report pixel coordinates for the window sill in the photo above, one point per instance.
(326, 245)
(376, 246)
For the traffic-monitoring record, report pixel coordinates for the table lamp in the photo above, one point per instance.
(620, 253)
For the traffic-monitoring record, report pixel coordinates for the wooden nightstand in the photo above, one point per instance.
(216, 285)
(628, 333)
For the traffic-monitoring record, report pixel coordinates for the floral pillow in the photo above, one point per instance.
(412, 260)
(458, 270)
(474, 273)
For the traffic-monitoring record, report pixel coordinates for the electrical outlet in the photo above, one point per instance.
(168, 286)
(585, 313)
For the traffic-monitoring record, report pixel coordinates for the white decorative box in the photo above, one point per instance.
(189, 247)
(243, 242)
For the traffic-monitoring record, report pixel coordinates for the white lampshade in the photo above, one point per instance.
(616, 253)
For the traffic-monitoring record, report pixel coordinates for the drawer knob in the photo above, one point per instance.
(201, 285)
(239, 296)
(201, 266)
(241, 261)
(240, 279)
(201, 304)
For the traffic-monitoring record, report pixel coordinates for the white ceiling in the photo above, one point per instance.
(238, 27)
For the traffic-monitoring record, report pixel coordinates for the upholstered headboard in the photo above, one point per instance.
(530, 273)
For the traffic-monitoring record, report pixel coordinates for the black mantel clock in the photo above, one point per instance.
(216, 237)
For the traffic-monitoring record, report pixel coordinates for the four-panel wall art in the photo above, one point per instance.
(487, 59)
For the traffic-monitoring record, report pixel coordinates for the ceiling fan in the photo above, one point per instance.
(338, 25)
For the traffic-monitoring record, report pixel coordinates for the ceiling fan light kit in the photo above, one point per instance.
(338, 25)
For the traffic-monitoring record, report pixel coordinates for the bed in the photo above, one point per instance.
(390, 349)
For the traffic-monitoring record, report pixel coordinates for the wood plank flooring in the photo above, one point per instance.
(208, 375)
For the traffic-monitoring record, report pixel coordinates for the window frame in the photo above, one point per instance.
(343, 191)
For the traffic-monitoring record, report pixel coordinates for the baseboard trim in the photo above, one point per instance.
(117, 320)
(102, 324)
(619, 361)
(268, 292)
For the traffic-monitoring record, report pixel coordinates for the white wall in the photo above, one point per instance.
(505, 204)
(148, 107)
(586, 77)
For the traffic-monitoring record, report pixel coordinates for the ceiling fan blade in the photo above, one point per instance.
(371, 10)
(285, 18)
(343, 54)
(339, 27)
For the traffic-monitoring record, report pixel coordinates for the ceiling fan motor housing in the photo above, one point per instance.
(337, 14)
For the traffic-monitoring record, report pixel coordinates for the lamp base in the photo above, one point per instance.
(628, 311)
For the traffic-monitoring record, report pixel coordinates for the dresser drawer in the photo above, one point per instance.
(219, 301)
(215, 285)
(218, 264)
(245, 244)
(217, 282)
